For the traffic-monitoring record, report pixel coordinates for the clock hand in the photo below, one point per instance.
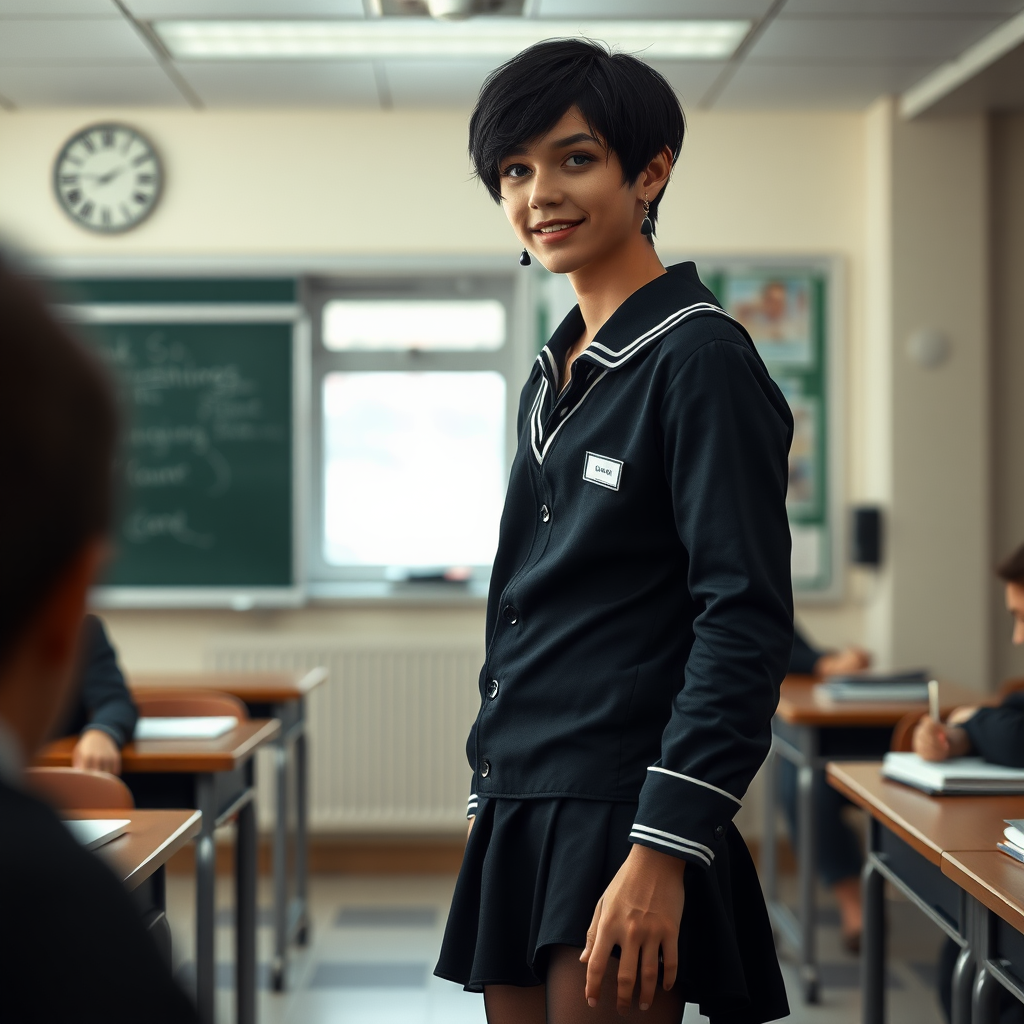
(109, 176)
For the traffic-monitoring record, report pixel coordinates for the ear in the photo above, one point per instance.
(655, 175)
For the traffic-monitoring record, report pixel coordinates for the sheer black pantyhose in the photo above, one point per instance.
(561, 999)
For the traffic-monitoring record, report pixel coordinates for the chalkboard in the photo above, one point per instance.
(206, 458)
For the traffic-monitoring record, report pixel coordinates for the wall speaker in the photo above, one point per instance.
(867, 535)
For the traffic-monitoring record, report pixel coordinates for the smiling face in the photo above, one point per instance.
(565, 197)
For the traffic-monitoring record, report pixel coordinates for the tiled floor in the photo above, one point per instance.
(374, 940)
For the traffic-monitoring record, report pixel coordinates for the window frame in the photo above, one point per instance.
(433, 280)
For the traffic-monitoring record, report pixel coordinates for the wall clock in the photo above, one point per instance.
(108, 178)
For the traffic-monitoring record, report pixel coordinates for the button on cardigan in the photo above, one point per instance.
(640, 618)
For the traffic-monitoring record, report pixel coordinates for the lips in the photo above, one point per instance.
(555, 230)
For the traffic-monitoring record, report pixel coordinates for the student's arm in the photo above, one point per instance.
(997, 734)
(803, 658)
(109, 710)
(727, 433)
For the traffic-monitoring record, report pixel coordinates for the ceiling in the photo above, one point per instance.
(800, 54)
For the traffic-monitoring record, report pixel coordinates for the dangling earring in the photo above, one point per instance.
(646, 228)
(524, 259)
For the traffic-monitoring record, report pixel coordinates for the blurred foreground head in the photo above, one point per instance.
(58, 427)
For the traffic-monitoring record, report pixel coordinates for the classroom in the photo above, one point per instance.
(305, 273)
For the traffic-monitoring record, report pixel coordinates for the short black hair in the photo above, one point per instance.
(58, 429)
(625, 101)
(1011, 569)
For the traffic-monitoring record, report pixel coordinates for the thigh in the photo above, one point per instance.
(567, 1004)
(512, 1004)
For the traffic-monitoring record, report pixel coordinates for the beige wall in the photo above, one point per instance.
(336, 183)
(1007, 369)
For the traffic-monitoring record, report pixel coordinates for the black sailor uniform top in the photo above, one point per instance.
(639, 618)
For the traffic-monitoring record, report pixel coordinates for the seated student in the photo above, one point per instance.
(839, 854)
(72, 946)
(994, 733)
(103, 714)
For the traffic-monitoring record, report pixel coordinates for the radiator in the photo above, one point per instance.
(387, 731)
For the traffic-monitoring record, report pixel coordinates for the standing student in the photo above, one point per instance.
(103, 714)
(640, 617)
(72, 946)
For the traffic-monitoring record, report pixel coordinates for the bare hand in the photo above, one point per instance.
(96, 751)
(852, 659)
(469, 831)
(640, 912)
(937, 742)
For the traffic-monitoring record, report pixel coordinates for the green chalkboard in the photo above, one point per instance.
(205, 464)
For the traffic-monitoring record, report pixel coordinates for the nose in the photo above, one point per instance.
(544, 190)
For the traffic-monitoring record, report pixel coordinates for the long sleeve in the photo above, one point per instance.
(727, 433)
(997, 734)
(105, 701)
(803, 657)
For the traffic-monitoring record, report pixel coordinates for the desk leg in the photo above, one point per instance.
(872, 954)
(807, 863)
(985, 999)
(245, 915)
(301, 833)
(205, 882)
(280, 867)
(769, 840)
(962, 984)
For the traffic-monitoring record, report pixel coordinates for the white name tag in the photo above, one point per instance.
(599, 469)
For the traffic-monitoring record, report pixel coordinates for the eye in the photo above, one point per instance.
(579, 160)
(515, 171)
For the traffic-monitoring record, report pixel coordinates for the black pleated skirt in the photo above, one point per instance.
(531, 877)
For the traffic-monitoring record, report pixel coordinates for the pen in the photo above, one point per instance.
(933, 699)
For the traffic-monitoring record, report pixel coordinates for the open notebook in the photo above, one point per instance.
(207, 728)
(959, 775)
(93, 832)
(1013, 835)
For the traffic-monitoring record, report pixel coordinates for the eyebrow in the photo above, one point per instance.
(569, 140)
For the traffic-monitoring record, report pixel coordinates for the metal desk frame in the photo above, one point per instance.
(291, 915)
(994, 969)
(800, 929)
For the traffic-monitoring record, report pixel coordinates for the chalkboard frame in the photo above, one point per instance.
(239, 598)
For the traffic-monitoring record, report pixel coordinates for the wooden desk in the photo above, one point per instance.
(805, 732)
(221, 775)
(995, 883)
(913, 835)
(280, 695)
(138, 858)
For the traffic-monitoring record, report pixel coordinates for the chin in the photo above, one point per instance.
(562, 262)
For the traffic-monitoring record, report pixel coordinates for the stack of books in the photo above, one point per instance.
(1013, 843)
(901, 687)
(959, 776)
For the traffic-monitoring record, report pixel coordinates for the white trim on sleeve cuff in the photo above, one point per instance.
(678, 847)
(696, 782)
(676, 839)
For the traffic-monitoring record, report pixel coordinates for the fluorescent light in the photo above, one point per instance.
(396, 38)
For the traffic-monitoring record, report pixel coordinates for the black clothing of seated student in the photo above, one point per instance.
(102, 704)
(73, 949)
(639, 620)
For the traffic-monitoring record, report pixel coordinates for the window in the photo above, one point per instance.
(415, 416)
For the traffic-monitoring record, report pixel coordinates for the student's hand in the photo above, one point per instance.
(640, 912)
(960, 715)
(469, 831)
(842, 663)
(96, 751)
(936, 742)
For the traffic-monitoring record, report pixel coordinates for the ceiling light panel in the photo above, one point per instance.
(391, 39)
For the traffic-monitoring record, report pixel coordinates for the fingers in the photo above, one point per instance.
(648, 973)
(597, 963)
(628, 960)
(592, 932)
(670, 962)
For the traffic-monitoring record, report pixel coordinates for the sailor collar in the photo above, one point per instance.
(645, 317)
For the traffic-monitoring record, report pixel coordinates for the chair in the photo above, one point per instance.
(903, 733)
(179, 702)
(70, 789)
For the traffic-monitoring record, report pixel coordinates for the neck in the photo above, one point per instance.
(603, 285)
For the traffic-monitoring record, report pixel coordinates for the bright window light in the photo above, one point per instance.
(395, 38)
(452, 325)
(414, 468)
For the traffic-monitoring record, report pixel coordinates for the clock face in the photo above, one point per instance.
(108, 178)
